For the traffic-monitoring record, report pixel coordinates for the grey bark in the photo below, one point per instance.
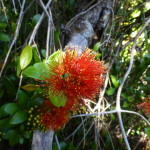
(42, 140)
(80, 31)
(82, 28)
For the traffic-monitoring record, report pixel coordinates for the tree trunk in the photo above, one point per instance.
(42, 140)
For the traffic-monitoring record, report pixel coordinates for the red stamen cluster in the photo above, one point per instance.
(77, 77)
(55, 117)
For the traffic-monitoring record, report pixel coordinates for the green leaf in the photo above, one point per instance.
(71, 146)
(58, 100)
(21, 140)
(35, 55)
(114, 81)
(18, 69)
(35, 19)
(32, 72)
(56, 36)
(13, 136)
(11, 89)
(2, 112)
(43, 51)
(63, 145)
(37, 101)
(11, 108)
(96, 46)
(4, 37)
(39, 70)
(147, 131)
(125, 104)
(4, 122)
(110, 91)
(26, 57)
(57, 56)
(23, 98)
(19, 117)
(3, 26)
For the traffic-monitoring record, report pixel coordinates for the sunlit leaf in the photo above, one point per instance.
(114, 81)
(26, 57)
(96, 46)
(110, 91)
(147, 131)
(39, 70)
(29, 87)
(58, 100)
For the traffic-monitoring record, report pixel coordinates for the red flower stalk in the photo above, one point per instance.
(77, 76)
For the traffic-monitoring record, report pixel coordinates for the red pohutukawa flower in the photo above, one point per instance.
(77, 76)
(71, 78)
(53, 117)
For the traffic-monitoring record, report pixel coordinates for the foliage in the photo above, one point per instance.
(17, 103)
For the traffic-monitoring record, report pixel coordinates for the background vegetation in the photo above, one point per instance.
(19, 96)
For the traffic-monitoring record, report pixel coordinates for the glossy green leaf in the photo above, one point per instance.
(96, 46)
(13, 136)
(18, 69)
(4, 122)
(32, 72)
(37, 101)
(35, 19)
(114, 81)
(110, 91)
(4, 37)
(56, 36)
(2, 113)
(23, 98)
(19, 117)
(11, 108)
(26, 57)
(58, 100)
(39, 70)
(35, 55)
(57, 56)
(43, 51)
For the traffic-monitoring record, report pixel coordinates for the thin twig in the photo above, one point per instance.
(85, 135)
(15, 37)
(38, 24)
(58, 145)
(4, 9)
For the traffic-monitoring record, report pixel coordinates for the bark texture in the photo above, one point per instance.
(42, 140)
(82, 29)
